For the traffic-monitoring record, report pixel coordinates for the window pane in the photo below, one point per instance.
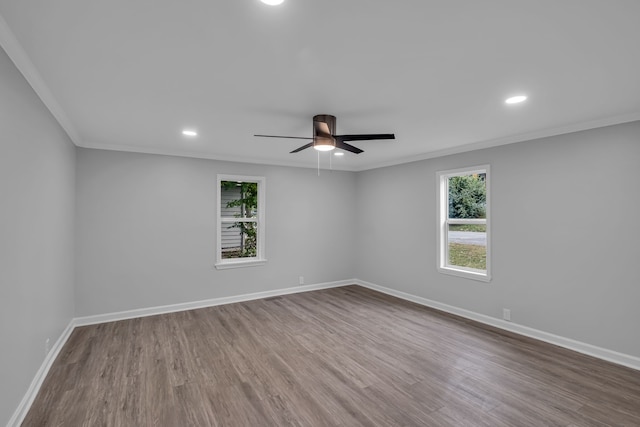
(467, 245)
(239, 239)
(239, 199)
(468, 196)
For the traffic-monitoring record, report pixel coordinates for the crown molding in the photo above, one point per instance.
(207, 156)
(512, 139)
(16, 53)
(23, 63)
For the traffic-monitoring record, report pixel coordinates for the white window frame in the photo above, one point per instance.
(259, 259)
(444, 222)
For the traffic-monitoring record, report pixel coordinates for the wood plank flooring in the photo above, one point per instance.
(345, 356)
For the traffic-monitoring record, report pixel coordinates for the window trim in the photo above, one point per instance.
(443, 221)
(259, 259)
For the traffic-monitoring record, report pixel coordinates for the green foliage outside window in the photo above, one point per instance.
(248, 206)
(467, 200)
(467, 196)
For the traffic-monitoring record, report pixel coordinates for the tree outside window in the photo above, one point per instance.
(241, 200)
(240, 221)
(463, 222)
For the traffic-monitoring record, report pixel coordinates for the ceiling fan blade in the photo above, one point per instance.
(322, 128)
(302, 148)
(347, 147)
(365, 137)
(279, 136)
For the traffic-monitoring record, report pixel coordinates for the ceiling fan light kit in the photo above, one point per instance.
(325, 139)
(272, 2)
(322, 144)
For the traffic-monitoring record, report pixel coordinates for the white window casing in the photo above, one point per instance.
(444, 222)
(225, 217)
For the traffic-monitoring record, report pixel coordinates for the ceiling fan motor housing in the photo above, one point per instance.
(324, 127)
(325, 118)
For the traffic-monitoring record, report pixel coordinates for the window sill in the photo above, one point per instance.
(468, 274)
(240, 263)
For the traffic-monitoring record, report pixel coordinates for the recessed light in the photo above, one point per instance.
(188, 132)
(339, 153)
(272, 2)
(516, 99)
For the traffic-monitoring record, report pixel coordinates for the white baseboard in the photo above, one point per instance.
(172, 308)
(581, 347)
(27, 400)
(34, 387)
(591, 350)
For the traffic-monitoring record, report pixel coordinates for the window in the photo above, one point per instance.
(240, 221)
(463, 223)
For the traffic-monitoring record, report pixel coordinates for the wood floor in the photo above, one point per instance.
(346, 356)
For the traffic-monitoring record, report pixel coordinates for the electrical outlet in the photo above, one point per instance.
(506, 314)
(47, 346)
(300, 280)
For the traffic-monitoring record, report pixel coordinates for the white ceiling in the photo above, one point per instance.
(130, 75)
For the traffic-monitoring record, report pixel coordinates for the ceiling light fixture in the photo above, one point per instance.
(321, 143)
(339, 153)
(516, 99)
(325, 138)
(188, 132)
(272, 2)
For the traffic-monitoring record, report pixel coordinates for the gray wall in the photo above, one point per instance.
(146, 230)
(566, 244)
(36, 234)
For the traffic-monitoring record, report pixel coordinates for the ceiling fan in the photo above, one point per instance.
(325, 139)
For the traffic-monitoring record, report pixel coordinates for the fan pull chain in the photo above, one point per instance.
(318, 162)
(330, 164)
